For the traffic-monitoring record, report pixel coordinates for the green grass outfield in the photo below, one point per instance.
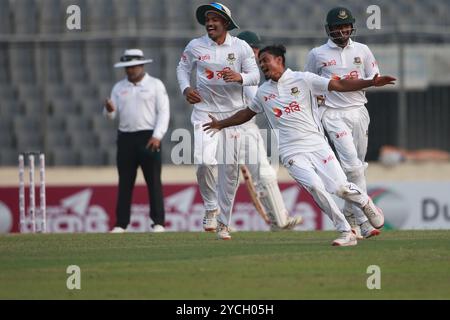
(254, 265)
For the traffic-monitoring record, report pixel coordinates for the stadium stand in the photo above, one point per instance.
(47, 71)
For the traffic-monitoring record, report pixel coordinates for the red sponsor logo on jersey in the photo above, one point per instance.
(292, 107)
(351, 75)
(329, 63)
(269, 97)
(341, 134)
(328, 159)
(209, 74)
(205, 57)
(278, 113)
(335, 77)
(216, 74)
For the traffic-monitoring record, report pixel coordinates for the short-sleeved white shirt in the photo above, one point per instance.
(291, 109)
(141, 106)
(355, 61)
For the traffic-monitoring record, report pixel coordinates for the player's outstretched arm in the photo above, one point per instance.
(235, 120)
(359, 84)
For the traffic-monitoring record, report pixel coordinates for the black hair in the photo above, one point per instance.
(277, 50)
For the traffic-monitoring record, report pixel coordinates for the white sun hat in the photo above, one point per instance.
(132, 57)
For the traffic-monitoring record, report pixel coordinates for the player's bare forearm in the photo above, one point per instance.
(238, 118)
(235, 120)
(359, 84)
(349, 85)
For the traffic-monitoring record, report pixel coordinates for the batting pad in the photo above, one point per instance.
(271, 199)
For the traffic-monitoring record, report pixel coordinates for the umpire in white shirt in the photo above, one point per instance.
(142, 104)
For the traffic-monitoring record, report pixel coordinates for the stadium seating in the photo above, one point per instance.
(66, 75)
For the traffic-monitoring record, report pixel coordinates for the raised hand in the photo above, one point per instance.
(109, 105)
(212, 127)
(383, 80)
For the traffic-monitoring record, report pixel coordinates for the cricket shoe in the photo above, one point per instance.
(223, 232)
(210, 220)
(357, 232)
(367, 231)
(118, 230)
(374, 214)
(158, 228)
(347, 238)
(350, 217)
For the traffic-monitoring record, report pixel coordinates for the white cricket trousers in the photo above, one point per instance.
(320, 174)
(216, 159)
(348, 131)
(253, 153)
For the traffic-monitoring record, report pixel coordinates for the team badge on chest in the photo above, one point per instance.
(357, 61)
(231, 58)
(295, 92)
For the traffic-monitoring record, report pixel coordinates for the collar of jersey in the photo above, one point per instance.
(331, 44)
(286, 75)
(213, 43)
(140, 83)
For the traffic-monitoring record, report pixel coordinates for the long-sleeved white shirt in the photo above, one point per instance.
(210, 60)
(355, 61)
(144, 106)
(292, 111)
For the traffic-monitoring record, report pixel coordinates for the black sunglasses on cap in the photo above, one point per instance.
(131, 58)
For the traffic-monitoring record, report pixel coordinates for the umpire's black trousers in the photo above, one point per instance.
(132, 153)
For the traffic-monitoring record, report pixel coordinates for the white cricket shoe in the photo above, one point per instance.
(368, 231)
(118, 230)
(158, 228)
(357, 232)
(210, 220)
(374, 214)
(223, 232)
(347, 238)
(350, 217)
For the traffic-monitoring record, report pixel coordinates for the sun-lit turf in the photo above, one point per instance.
(254, 265)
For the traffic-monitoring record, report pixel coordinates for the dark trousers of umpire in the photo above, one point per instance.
(132, 154)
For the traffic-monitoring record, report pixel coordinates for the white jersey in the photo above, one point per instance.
(249, 95)
(355, 61)
(141, 106)
(210, 61)
(291, 110)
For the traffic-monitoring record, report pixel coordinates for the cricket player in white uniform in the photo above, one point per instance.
(224, 64)
(262, 173)
(287, 99)
(344, 115)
